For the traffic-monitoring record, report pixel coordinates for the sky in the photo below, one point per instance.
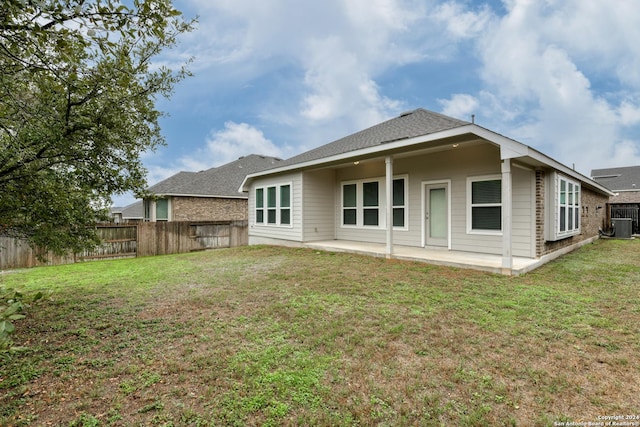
(279, 77)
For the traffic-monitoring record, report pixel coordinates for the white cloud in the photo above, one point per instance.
(461, 23)
(541, 58)
(541, 65)
(339, 47)
(460, 106)
(226, 145)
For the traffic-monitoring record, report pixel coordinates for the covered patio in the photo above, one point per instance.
(437, 256)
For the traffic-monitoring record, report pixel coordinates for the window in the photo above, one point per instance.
(363, 203)
(285, 204)
(399, 202)
(260, 205)
(485, 204)
(162, 210)
(349, 205)
(568, 206)
(371, 203)
(562, 208)
(273, 205)
(147, 210)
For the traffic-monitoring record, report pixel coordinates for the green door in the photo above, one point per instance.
(437, 215)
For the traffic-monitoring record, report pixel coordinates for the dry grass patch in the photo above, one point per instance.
(276, 336)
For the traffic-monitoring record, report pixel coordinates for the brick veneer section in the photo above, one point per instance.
(208, 209)
(626, 197)
(540, 184)
(591, 217)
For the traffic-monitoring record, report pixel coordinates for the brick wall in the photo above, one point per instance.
(591, 217)
(208, 209)
(540, 204)
(626, 197)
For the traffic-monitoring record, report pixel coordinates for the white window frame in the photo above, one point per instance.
(278, 208)
(470, 205)
(257, 208)
(571, 205)
(360, 203)
(381, 207)
(405, 178)
(344, 208)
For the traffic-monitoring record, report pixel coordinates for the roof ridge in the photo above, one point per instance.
(409, 124)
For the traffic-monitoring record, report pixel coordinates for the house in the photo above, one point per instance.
(429, 187)
(209, 195)
(625, 184)
(128, 214)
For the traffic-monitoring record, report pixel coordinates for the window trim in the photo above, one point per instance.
(260, 208)
(572, 210)
(278, 208)
(344, 208)
(163, 199)
(359, 183)
(381, 207)
(470, 205)
(405, 178)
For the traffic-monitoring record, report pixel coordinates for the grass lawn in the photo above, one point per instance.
(276, 336)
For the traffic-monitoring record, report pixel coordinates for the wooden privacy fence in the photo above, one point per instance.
(134, 240)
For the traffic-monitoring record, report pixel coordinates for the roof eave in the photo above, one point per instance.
(209, 196)
(380, 148)
(509, 148)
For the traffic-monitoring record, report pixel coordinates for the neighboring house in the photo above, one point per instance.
(131, 213)
(210, 195)
(625, 184)
(422, 185)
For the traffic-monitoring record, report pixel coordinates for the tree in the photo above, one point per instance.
(77, 110)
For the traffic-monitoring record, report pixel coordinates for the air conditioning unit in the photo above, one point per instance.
(623, 227)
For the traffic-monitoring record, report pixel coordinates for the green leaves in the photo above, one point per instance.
(77, 109)
(12, 304)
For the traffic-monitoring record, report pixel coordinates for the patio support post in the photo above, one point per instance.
(389, 192)
(507, 208)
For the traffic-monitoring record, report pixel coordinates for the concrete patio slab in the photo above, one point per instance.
(430, 255)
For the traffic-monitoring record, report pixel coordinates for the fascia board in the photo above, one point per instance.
(509, 149)
(210, 196)
(543, 158)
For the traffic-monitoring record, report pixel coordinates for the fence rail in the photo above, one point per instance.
(134, 240)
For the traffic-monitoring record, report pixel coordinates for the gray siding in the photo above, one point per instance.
(318, 208)
(318, 217)
(293, 232)
(456, 166)
(523, 231)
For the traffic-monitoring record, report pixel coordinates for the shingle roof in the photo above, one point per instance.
(222, 181)
(408, 125)
(133, 211)
(618, 179)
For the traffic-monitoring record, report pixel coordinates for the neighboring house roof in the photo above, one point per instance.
(132, 211)
(618, 179)
(421, 129)
(221, 181)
